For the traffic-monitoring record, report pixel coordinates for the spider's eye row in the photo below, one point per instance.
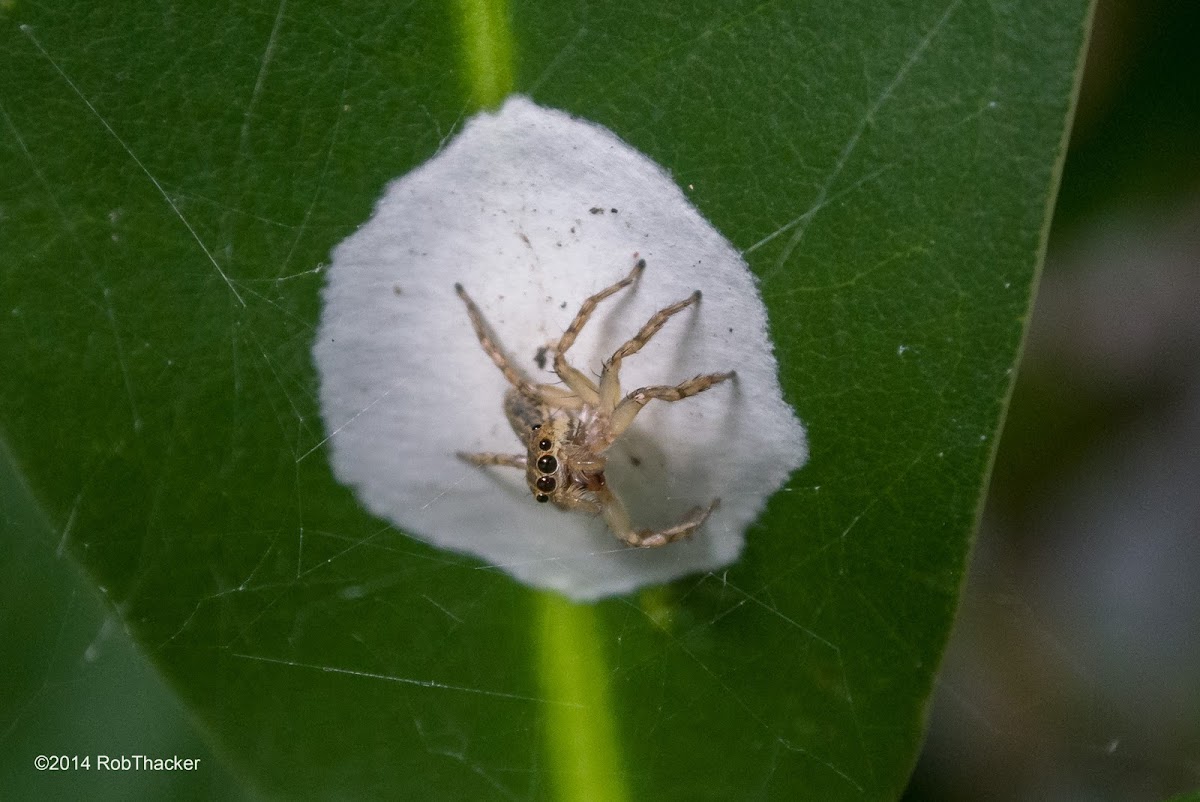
(547, 464)
(546, 483)
(542, 498)
(544, 444)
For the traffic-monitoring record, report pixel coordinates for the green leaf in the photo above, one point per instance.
(174, 180)
(1191, 796)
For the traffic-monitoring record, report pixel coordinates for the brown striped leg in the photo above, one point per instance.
(632, 404)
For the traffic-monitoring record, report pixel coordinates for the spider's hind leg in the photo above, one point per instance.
(573, 377)
(492, 348)
(632, 404)
(610, 383)
(589, 306)
(646, 332)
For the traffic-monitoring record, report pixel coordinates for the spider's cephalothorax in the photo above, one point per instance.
(566, 430)
(545, 461)
(560, 465)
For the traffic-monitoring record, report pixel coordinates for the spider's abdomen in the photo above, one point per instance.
(523, 413)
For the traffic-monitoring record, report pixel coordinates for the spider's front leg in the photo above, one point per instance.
(618, 521)
(483, 458)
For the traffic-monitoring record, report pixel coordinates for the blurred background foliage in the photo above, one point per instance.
(1074, 670)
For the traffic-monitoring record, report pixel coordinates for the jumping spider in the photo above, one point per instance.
(566, 430)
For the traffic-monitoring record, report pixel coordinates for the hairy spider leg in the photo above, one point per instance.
(632, 404)
(492, 348)
(542, 393)
(584, 392)
(492, 458)
(574, 378)
(618, 521)
(610, 384)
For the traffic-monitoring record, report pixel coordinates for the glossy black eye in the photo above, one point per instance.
(544, 444)
(542, 499)
(546, 484)
(536, 426)
(547, 464)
